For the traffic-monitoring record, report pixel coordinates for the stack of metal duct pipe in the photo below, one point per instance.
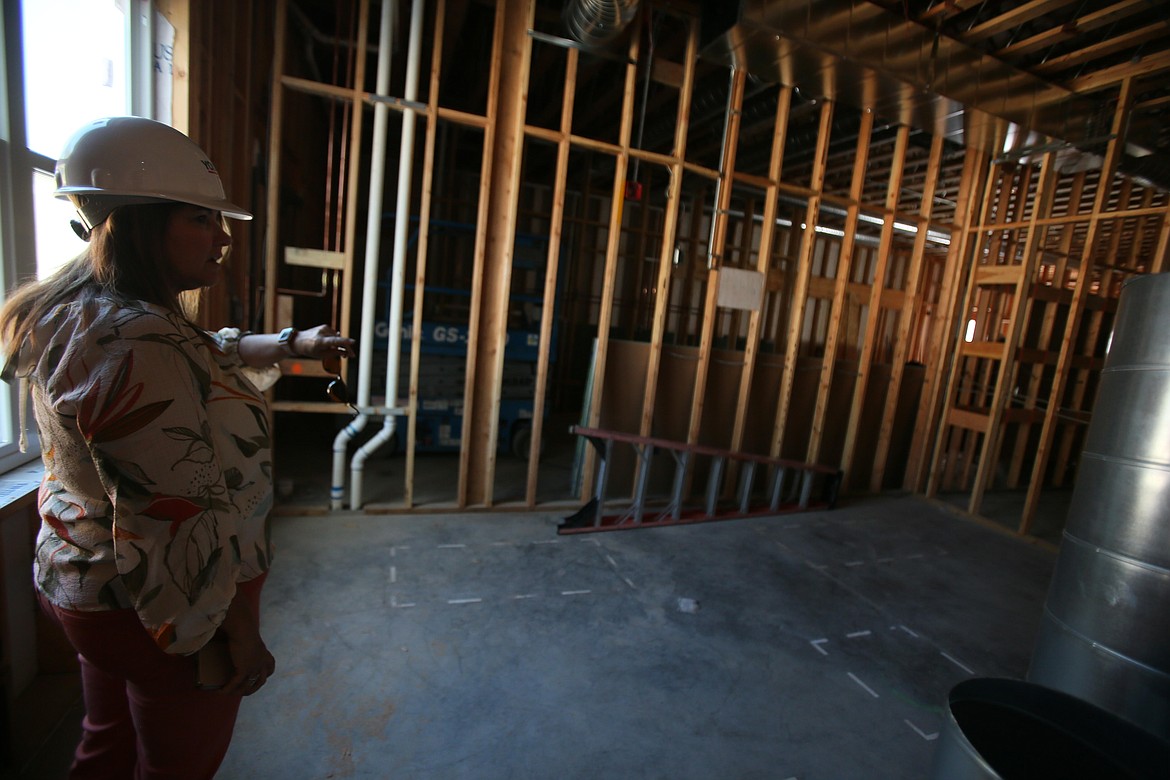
(1096, 702)
(1105, 631)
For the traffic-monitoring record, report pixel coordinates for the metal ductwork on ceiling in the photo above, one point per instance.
(597, 23)
(863, 55)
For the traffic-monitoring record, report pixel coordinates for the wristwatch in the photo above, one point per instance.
(286, 339)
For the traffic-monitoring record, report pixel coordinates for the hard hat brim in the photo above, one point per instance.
(225, 207)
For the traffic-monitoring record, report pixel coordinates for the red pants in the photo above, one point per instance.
(144, 717)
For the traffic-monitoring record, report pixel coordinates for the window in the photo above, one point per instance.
(65, 62)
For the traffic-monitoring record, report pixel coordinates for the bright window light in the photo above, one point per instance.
(72, 72)
(56, 243)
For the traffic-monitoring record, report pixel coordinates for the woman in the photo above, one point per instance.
(154, 436)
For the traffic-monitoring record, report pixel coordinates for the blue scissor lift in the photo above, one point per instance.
(443, 353)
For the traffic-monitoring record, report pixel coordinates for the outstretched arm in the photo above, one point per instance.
(264, 349)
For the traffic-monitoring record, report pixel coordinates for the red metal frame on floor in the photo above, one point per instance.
(790, 486)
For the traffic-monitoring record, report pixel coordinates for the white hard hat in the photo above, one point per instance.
(128, 160)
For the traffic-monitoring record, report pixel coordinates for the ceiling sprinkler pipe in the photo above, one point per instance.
(597, 23)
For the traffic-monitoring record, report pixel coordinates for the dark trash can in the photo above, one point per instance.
(1009, 729)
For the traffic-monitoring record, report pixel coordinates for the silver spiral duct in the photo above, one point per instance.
(997, 729)
(596, 23)
(1105, 632)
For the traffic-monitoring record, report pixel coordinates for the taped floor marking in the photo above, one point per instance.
(817, 644)
(856, 634)
(574, 592)
(958, 663)
(869, 690)
(921, 733)
(464, 601)
(451, 546)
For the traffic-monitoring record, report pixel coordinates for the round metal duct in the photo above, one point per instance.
(596, 23)
(998, 728)
(1105, 632)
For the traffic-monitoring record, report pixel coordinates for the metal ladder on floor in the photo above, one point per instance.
(790, 488)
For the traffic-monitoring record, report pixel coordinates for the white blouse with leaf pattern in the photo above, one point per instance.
(158, 471)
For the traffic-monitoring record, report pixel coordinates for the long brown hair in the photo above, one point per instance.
(124, 261)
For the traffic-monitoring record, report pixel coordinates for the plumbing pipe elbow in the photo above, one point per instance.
(340, 445)
(358, 463)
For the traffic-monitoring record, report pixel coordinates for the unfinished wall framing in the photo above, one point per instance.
(601, 196)
(220, 75)
(1048, 252)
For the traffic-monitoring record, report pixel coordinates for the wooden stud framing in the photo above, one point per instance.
(907, 317)
(763, 261)
(966, 254)
(617, 202)
(550, 274)
(420, 271)
(968, 383)
(841, 286)
(1080, 296)
(715, 250)
(275, 143)
(487, 327)
(356, 96)
(865, 361)
(1048, 323)
(691, 267)
(353, 175)
(1003, 387)
(670, 225)
(799, 288)
(220, 69)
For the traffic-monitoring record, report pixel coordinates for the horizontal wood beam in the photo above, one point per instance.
(993, 350)
(1112, 77)
(1014, 18)
(1102, 49)
(998, 274)
(971, 421)
(1087, 23)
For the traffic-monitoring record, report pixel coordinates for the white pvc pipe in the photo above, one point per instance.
(373, 244)
(398, 273)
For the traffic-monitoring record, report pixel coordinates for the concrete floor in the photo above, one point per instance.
(818, 645)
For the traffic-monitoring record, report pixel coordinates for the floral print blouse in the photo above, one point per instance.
(158, 471)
